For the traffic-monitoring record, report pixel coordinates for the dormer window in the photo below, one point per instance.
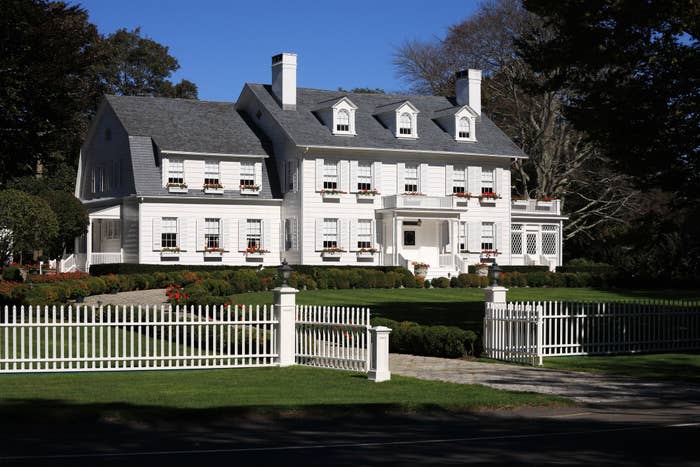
(463, 128)
(338, 115)
(342, 122)
(247, 174)
(405, 124)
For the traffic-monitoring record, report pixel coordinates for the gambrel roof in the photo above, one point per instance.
(305, 130)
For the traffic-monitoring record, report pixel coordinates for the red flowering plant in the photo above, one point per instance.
(489, 195)
(519, 198)
(176, 185)
(213, 249)
(464, 195)
(371, 192)
(367, 250)
(420, 265)
(176, 295)
(545, 198)
(250, 187)
(331, 191)
(333, 249)
(489, 253)
(175, 249)
(256, 250)
(212, 186)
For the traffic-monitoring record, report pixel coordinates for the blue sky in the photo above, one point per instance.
(222, 44)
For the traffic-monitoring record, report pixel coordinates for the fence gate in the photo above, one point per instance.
(333, 337)
(510, 333)
(84, 338)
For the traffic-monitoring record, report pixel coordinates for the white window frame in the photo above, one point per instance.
(488, 238)
(331, 232)
(403, 129)
(409, 179)
(168, 226)
(364, 233)
(291, 175)
(212, 172)
(463, 245)
(176, 171)
(330, 175)
(464, 128)
(212, 232)
(549, 230)
(253, 233)
(459, 183)
(342, 121)
(364, 175)
(517, 230)
(488, 177)
(247, 174)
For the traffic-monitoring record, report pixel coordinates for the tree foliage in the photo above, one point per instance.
(72, 218)
(26, 223)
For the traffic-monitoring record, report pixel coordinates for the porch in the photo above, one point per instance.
(102, 244)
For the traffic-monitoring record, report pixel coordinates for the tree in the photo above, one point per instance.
(27, 223)
(137, 66)
(48, 84)
(71, 216)
(364, 90)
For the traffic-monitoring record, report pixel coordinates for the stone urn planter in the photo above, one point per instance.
(482, 271)
(420, 269)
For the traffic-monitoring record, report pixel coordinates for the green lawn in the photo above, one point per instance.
(685, 367)
(210, 393)
(455, 307)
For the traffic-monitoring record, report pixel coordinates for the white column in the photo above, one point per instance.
(285, 307)
(379, 360)
(495, 294)
(88, 246)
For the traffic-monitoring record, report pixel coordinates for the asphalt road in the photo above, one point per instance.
(590, 436)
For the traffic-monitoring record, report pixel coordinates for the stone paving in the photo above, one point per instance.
(137, 297)
(585, 388)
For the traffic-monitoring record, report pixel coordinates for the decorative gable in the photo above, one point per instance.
(460, 122)
(401, 118)
(339, 117)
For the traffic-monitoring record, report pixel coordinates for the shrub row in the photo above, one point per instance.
(130, 268)
(504, 268)
(430, 341)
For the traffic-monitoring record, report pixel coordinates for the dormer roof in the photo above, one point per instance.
(335, 103)
(395, 107)
(453, 111)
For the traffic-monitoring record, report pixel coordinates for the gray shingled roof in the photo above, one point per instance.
(305, 129)
(187, 124)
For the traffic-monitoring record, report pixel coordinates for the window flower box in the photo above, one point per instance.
(213, 188)
(545, 202)
(170, 252)
(489, 198)
(249, 189)
(463, 196)
(331, 194)
(332, 252)
(420, 269)
(520, 202)
(212, 252)
(255, 252)
(489, 254)
(176, 187)
(412, 193)
(366, 252)
(367, 196)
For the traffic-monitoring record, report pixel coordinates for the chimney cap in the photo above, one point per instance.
(470, 74)
(280, 57)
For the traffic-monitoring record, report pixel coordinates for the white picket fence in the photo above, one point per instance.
(333, 337)
(525, 332)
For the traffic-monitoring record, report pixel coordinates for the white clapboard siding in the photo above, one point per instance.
(319, 234)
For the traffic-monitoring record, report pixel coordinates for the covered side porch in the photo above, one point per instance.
(102, 244)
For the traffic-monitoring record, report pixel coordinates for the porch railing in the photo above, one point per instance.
(538, 207)
(446, 260)
(105, 257)
(409, 201)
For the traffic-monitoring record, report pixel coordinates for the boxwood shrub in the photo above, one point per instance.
(430, 341)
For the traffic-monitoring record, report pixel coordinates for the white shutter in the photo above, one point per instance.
(474, 237)
(319, 174)
(496, 238)
(353, 176)
(183, 234)
(474, 180)
(423, 179)
(353, 235)
(319, 234)
(344, 233)
(258, 174)
(377, 176)
(446, 236)
(230, 238)
(199, 242)
(498, 181)
(294, 225)
(400, 177)
(242, 240)
(223, 225)
(374, 238)
(157, 241)
(266, 234)
(448, 180)
(165, 170)
(343, 176)
(236, 173)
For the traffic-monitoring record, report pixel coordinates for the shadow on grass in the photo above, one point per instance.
(466, 315)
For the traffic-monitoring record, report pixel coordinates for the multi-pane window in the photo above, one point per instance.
(330, 175)
(531, 243)
(462, 236)
(247, 173)
(463, 128)
(112, 229)
(405, 127)
(342, 121)
(516, 239)
(364, 233)
(330, 233)
(168, 232)
(410, 178)
(176, 171)
(254, 233)
(549, 239)
(458, 184)
(211, 172)
(364, 176)
(212, 233)
(487, 236)
(487, 181)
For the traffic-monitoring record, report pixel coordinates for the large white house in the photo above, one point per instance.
(313, 176)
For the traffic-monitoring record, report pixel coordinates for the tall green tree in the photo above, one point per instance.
(27, 223)
(72, 217)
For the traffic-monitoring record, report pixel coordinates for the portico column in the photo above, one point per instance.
(88, 246)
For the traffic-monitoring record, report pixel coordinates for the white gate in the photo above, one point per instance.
(83, 338)
(333, 337)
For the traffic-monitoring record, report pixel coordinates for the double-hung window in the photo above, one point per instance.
(212, 233)
(168, 235)
(364, 233)
(176, 171)
(342, 121)
(330, 175)
(463, 130)
(462, 236)
(458, 184)
(487, 236)
(364, 176)
(112, 229)
(487, 181)
(410, 178)
(254, 233)
(247, 173)
(405, 124)
(211, 172)
(330, 233)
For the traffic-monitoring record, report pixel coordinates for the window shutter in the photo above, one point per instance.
(236, 173)
(295, 233)
(223, 224)
(423, 178)
(353, 176)
(400, 174)
(343, 176)
(498, 184)
(267, 234)
(474, 179)
(199, 242)
(165, 170)
(319, 234)
(344, 234)
(353, 235)
(474, 237)
(374, 231)
(230, 239)
(157, 241)
(319, 174)
(446, 237)
(496, 236)
(258, 174)
(448, 180)
(377, 176)
(182, 233)
(242, 241)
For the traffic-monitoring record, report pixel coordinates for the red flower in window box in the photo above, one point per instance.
(462, 195)
(489, 196)
(212, 186)
(256, 250)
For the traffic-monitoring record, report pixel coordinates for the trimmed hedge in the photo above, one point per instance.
(430, 341)
(133, 268)
(521, 269)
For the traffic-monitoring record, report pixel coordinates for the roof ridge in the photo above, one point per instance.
(200, 101)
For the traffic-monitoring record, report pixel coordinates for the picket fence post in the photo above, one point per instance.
(379, 359)
(285, 310)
